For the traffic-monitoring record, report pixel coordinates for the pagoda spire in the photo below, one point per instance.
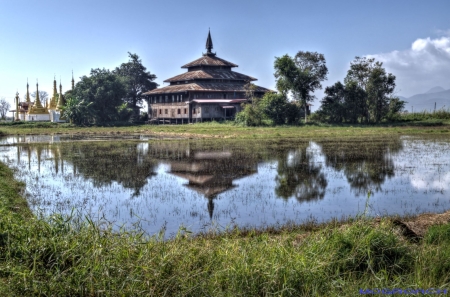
(28, 95)
(61, 97)
(73, 82)
(37, 107)
(38, 103)
(209, 45)
(17, 106)
(54, 100)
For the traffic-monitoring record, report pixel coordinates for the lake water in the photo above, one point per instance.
(150, 185)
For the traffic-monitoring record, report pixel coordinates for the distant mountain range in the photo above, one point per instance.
(427, 100)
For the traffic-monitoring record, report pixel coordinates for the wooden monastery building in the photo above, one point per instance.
(209, 90)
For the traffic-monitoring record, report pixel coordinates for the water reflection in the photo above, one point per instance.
(208, 173)
(366, 164)
(172, 183)
(300, 175)
(127, 164)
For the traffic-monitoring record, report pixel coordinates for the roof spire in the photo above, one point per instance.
(209, 44)
(28, 95)
(73, 81)
(61, 97)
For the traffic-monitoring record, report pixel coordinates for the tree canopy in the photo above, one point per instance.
(105, 90)
(137, 80)
(367, 95)
(301, 75)
(4, 108)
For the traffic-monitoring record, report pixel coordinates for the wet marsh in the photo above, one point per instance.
(150, 185)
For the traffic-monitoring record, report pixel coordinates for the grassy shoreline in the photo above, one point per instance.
(59, 256)
(231, 131)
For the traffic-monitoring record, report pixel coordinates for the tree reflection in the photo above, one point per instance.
(126, 163)
(366, 164)
(300, 176)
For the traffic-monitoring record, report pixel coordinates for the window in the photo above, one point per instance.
(178, 98)
(166, 111)
(166, 99)
(179, 111)
(160, 99)
(185, 111)
(181, 97)
(160, 111)
(193, 111)
(173, 98)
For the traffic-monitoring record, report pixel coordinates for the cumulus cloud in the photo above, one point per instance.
(425, 65)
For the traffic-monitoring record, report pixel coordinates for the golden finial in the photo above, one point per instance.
(28, 94)
(37, 107)
(61, 97)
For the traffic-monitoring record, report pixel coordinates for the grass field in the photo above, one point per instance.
(229, 130)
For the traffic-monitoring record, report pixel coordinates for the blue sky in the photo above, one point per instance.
(40, 39)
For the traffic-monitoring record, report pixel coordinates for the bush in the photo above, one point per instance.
(251, 115)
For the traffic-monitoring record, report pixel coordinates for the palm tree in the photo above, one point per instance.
(77, 111)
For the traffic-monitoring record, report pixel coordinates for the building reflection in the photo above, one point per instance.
(208, 172)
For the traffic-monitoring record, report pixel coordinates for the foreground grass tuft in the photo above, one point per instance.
(61, 256)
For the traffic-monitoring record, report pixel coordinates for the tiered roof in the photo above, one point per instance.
(209, 60)
(199, 86)
(207, 73)
(210, 74)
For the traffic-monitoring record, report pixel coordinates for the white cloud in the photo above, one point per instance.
(431, 182)
(425, 65)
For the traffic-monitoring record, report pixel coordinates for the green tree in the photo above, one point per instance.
(274, 107)
(301, 75)
(137, 80)
(333, 104)
(4, 108)
(355, 102)
(105, 90)
(292, 113)
(395, 107)
(379, 89)
(77, 111)
(251, 115)
(378, 85)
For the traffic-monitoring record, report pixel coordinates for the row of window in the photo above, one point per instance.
(166, 111)
(209, 96)
(167, 99)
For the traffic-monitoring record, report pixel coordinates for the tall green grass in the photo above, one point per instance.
(440, 114)
(62, 257)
